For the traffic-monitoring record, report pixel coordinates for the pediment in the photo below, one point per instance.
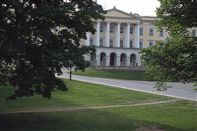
(118, 13)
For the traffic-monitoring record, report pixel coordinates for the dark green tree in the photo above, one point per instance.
(176, 57)
(76, 57)
(38, 38)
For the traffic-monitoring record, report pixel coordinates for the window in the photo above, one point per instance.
(111, 43)
(151, 32)
(193, 33)
(91, 41)
(101, 28)
(121, 29)
(111, 29)
(161, 32)
(131, 30)
(101, 42)
(141, 31)
(141, 44)
(92, 57)
(131, 44)
(121, 43)
(150, 43)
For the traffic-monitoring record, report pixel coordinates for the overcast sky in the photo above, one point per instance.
(141, 7)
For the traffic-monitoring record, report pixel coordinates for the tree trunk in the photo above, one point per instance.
(70, 73)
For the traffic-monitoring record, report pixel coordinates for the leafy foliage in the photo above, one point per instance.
(177, 15)
(175, 58)
(38, 38)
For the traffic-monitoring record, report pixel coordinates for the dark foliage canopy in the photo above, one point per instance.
(38, 38)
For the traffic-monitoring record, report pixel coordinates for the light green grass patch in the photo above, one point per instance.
(79, 94)
(176, 116)
(115, 74)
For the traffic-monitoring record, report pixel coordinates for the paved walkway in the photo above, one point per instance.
(66, 109)
(178, 90)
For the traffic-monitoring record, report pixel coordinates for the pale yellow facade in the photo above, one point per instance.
(119, 38)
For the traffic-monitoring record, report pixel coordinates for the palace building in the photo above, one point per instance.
(119, 38)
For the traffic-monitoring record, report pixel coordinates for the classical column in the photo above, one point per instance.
(107, 34)
(107, 59)
(97, 34)
(138, 60)
(87, 41)
(98, 59)
(117, 40)
(137, 36)
(127, 36)
(128, 61)
(118, 60)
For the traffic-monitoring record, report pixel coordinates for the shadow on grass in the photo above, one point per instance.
(89, 120)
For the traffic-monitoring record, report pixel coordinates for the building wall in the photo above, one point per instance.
(115, 17)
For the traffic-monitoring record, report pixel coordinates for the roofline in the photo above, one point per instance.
(148, 16)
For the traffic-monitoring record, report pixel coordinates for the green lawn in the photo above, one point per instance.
(79, 94)
(179, 115)
(115, 74)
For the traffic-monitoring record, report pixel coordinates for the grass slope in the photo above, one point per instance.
(173, 116)
(115, 74)
(79, 94)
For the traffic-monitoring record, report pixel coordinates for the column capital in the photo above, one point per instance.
(108, 22)
(128, 23)
(98, 21)
(138, 23)
(118, 23)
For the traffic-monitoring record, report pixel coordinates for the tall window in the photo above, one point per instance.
(193, 33)
(91, 41)
(141, 31)
(161, 33)
(121, 29)
(141, 44)
(150, 43)
(131, 30)
(111, 29)
(131, 44)
(101, 28)
(121, 43)
(111, 43)
(101, 42)
(151, 32)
